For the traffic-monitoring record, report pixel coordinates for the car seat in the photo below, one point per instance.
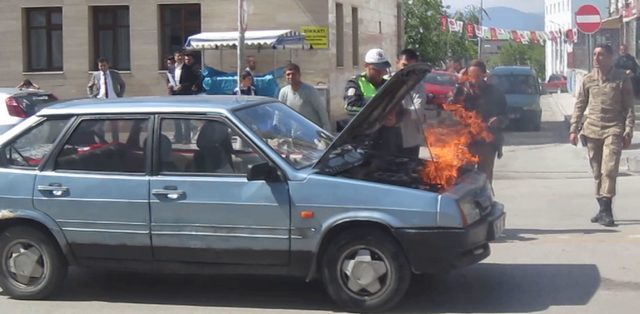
(214, 154)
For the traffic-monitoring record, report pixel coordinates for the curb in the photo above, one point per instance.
(629, 162)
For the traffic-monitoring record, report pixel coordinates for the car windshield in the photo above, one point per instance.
(292, 136)
(440, 79)
(515, 84)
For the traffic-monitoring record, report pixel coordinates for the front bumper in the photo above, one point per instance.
(442, 250)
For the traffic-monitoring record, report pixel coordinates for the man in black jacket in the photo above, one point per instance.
(184, 76)
(490, 103)
(628, 63)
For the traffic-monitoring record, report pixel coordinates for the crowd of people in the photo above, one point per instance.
(608, 92)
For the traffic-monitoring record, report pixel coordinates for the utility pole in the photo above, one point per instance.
(480, 37)
(242, 27)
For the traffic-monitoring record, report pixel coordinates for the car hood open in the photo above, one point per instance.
(373, 114)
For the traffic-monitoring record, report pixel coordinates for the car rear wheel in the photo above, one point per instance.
(365, 270)
(32, 266)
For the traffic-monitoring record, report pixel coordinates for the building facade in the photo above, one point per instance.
(560, 16)
(55, 43)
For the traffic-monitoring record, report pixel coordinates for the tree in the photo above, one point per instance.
(521, 54)
(423, 32)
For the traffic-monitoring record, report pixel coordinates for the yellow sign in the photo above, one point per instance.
(316, 36)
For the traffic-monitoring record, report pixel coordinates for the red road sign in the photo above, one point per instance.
(588, 19)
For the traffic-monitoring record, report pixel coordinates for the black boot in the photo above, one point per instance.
(597, 217)
(606, 219)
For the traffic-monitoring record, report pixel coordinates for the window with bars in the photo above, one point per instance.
(111, 36)
(177, 23)
(44, 39)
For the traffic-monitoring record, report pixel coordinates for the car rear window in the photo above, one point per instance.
(440, 79)
(515, 84)
(32, 103)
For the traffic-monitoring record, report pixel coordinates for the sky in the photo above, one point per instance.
(530, 6)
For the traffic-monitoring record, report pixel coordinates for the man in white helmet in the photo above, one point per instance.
(361, 88)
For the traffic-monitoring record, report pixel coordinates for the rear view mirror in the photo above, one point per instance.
(263, 172)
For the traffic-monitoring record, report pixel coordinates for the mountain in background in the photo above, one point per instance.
(508, 18)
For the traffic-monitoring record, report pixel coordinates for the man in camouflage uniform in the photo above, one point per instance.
(608, 126)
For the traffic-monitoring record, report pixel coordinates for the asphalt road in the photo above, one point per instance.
(551, 259)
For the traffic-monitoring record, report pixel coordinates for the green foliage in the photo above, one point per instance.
(519, 54)
(423, 33)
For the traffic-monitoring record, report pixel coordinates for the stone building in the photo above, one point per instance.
(55, 43)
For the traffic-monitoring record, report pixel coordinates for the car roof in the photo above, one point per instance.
(514, 70)
(154, 104)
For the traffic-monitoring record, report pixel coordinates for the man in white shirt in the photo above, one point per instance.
(304, 98)
(105, 83)
(411, 124)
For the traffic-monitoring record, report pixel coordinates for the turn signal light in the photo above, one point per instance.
(307, 214)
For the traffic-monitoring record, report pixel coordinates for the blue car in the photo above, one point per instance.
(233, 185)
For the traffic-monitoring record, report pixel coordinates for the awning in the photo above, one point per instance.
(612, 22)
(275, 38)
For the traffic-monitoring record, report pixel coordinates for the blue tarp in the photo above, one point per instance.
(218, 82)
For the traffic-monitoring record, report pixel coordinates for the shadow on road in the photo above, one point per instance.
(506, 288)
(553, 132)
(512, 235)
(483, 288)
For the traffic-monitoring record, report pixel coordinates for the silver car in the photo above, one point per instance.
(251, 186)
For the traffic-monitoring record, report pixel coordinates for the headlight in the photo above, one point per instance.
(470, 211)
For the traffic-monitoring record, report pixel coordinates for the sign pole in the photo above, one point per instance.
(588, 21)
(589, 51)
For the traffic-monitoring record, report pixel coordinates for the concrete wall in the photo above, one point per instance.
(378, 27)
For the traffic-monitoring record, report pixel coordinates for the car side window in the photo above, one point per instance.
(209, 147)
(30, 148)
(105, 145)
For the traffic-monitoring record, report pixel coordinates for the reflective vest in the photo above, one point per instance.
(367, 89)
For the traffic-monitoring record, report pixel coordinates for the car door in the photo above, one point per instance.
(96, 188)
(20, 158)
(203, 208)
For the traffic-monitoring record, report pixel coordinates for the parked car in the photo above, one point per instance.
(556, 83)
(21, 104)
(440, 84)
(259, 189)
(522, 90)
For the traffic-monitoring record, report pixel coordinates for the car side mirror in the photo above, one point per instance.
(263, 172)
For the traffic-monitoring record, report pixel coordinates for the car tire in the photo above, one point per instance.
(32, 265)
(365, 270)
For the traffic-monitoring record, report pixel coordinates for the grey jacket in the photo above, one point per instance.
(93, 88)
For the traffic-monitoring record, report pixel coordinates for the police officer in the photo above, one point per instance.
(361, 88)
(608, 126)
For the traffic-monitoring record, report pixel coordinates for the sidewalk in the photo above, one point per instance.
(630, 161)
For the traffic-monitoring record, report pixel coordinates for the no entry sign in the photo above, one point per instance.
(588, 19)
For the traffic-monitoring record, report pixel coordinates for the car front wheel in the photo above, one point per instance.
(32, 264)
(365, 270)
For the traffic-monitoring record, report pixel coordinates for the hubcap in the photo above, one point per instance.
(365, 273)
(25, 263)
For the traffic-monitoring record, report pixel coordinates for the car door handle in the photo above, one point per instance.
(170, 194)
(55, 189)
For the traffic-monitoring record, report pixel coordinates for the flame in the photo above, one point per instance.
(449, 145)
